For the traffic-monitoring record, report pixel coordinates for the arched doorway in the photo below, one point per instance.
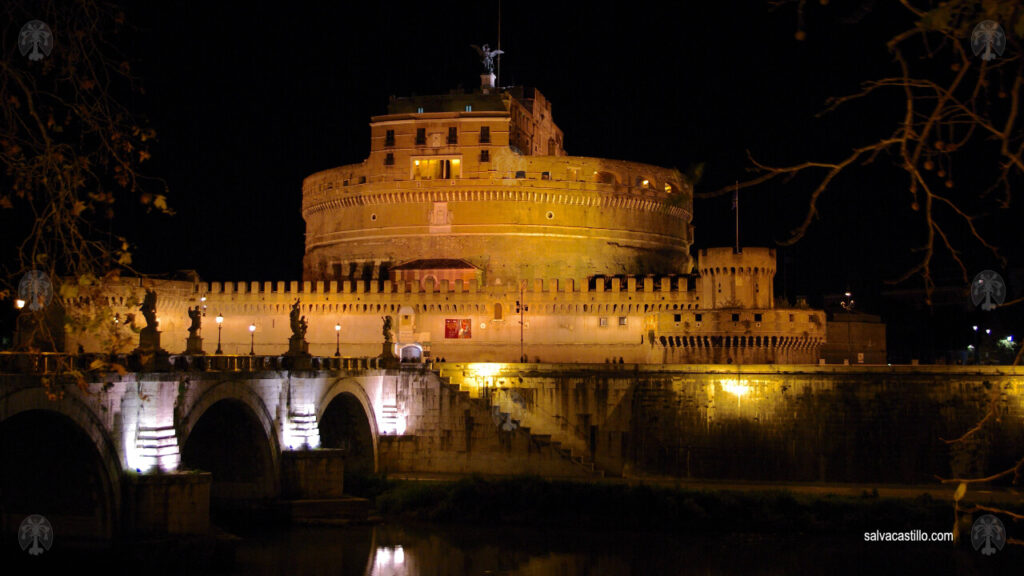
(50, 466)
(346, 425)
(412, 353)
(229, 441)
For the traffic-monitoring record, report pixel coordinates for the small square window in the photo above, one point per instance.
(677, 318)
(389, 138)
(735, 317)
(698, 317)
(485, 155)
(622, 320)
(757, 317)
(421, 136)
(520, 173)
(602, 321)
(485, 134)
(389, 160)
(469, 107)
(545, 175)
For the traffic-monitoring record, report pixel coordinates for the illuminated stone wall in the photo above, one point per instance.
(827, 424)
(640, 320)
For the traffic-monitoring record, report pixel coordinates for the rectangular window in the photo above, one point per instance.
(389, 160)
(622, 320)
(735, 317)
(792, 317)
(757, 317)
(469, 107)
(436, 168)
(677, 318)
(389, 138)
(602, 321)
(419, 110)
(698, 317)
(520, 173)
(545, 175)
(485, 155)
(485, 134)
(453, 135)
(421, 136)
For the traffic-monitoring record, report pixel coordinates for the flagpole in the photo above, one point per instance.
(736, 205)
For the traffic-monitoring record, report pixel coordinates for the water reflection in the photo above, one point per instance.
(423, 550)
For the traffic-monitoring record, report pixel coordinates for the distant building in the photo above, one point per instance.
(854, 338)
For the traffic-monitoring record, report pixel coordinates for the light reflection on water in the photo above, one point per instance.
(419, 550)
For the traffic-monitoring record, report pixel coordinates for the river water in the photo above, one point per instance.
(423, 550)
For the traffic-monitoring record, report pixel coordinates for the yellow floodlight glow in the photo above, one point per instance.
(19, 303)
(738, 388)
(486, 369)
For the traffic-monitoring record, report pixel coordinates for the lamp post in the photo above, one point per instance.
(252, 339)
(220, 324)
(337, 339)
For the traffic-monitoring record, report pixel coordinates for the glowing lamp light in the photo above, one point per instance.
(19, 303)
(1009, 338)
(975, 328)
(337, 327)
(646, 183)
(988, 330)
(415, 162)
(252, 327)
(220, 319)
(455, 161)
(483, 325)
(737, 388)
(970, 346)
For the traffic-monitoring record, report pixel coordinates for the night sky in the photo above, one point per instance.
(247, 102)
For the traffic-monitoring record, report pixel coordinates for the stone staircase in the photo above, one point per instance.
(504, 421)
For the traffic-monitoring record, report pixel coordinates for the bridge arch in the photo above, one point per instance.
(354, 390)
(77, 414)
(237, 402)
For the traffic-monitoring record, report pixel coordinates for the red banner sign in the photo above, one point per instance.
(458, 328)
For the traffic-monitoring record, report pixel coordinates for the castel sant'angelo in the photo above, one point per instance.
(484, 241)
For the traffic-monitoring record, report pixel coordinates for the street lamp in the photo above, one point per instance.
(252, 339)
(19, 303)
(220, 324)
(337, 345)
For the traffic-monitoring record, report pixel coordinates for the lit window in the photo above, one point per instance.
(436, 168)
(603, 321)
(469, 107)
(622, 320)
(419, 110)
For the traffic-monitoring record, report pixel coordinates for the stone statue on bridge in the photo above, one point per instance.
(387, 328)
(298, 348)
(195, 315)
(148, 308)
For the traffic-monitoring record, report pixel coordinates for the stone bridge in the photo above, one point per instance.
(123, 453)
